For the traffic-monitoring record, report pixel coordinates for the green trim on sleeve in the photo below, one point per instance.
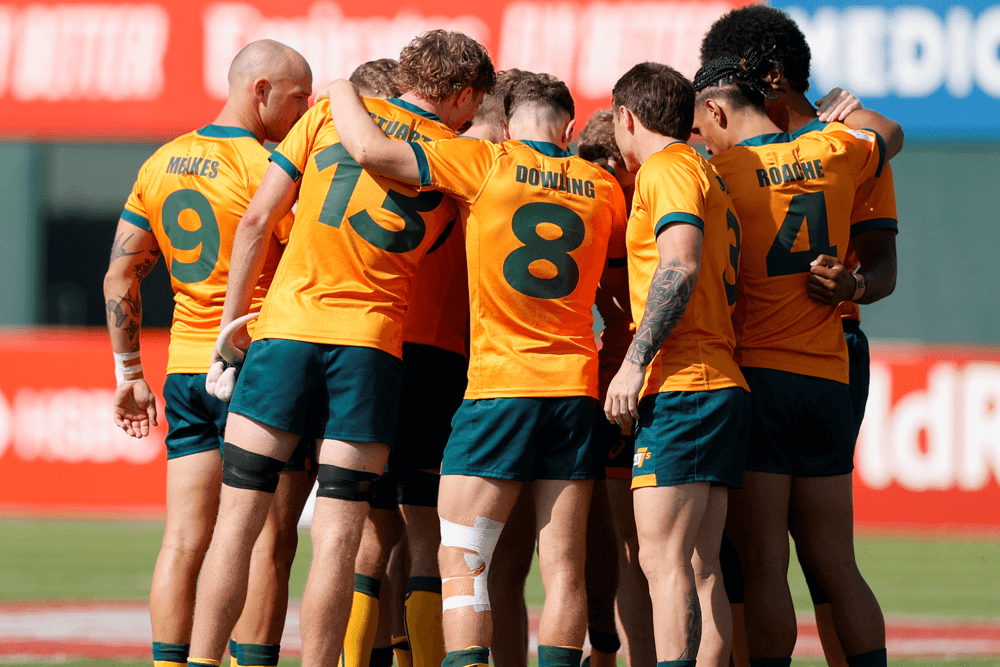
(881, 151)
(686, 218)
(286, 165)
(874, 223)
(136, 219)
(422, 165)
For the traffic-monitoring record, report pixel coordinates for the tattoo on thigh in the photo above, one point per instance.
(692, 626)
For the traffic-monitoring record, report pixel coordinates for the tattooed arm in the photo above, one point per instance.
(133, 255)
(670, 290)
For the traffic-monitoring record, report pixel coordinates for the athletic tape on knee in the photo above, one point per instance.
(245, 470)
(418, 488)
(477, 542)
(345, 484)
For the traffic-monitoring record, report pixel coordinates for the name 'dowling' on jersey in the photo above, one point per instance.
(555, 181)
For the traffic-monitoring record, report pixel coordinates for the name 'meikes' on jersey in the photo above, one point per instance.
(795, 198)
(346, 275)
(676, 185)
(191, 195)
(874, 208)
(540, 227)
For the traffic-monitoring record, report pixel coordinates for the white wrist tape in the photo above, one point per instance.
(128, 367)
(469, 590)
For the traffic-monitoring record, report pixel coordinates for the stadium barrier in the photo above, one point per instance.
(928, 456)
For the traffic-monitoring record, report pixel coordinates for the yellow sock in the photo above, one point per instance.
(359, 640)
(401, 647)
(423, 621)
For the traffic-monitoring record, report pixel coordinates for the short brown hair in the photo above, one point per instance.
(439, 64)
(597, 138)
(543, 90)
(375, 78)
(491, 110)
(660, 97)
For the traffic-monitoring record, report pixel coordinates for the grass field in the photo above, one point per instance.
(78, 560)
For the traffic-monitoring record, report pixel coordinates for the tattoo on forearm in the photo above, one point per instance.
(142, 269)
(126, 314)
(692, 626)
(118, 248)
(669, 293)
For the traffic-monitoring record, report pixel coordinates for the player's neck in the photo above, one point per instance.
(749, 123)
(236, 115)
(792, 111)
(534, 132)
(649, 143)
(422, 103)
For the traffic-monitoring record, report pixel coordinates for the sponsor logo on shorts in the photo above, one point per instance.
(616, 449)
(641, 456)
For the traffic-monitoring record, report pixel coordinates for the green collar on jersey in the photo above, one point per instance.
(765, 139)
(546, 148)
(815, 125)
(413, 108)
(225, 132)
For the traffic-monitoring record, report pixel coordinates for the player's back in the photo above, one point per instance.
(794, 198)
(538, 236)
(357, 240)
(191, 194)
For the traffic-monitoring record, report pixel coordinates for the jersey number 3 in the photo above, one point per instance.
(809, 207)
(517, 268)
(206, 236)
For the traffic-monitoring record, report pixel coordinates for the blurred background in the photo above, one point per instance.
(89, 90)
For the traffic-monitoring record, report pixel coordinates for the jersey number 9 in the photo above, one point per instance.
(206, 236)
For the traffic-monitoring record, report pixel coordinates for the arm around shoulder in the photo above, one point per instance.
(890, 131)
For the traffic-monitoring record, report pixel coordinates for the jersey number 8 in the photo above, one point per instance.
(516, 268)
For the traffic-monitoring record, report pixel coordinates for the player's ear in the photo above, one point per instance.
(261, 89)
(505, 130)
(568, 131)
(464, 97)
(775, 78)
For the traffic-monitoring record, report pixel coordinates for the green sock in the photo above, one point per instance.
(559, 656)
(259, 655)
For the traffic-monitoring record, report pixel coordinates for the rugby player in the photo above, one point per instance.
(536, 252)
(871, 252)
(791, 348)
(679, 384)
(376, 78)
(326, 352)
(612, 521)
(185, 204)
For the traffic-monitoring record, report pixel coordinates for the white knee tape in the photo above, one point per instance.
(480, 539)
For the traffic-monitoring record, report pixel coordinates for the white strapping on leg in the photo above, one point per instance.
(481, 539)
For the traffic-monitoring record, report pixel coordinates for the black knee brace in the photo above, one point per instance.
(245, 470)
(419, 488)
(384, 495)
(345, 484)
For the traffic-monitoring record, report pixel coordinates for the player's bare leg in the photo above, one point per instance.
(263, 619)
(668, 520)
(633, 608)
(601, 579)
(477, 504)
(822, 523)
(559, 504)
(336, 534)
(758, 527)
(192, 502)
(507, 577)
(717, 620)
(222, 587)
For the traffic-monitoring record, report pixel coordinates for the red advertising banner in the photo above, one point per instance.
(928, 456)
(151, 70)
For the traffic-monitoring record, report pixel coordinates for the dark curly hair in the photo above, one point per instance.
(375, 78)
(439, 64)
(660, 97)
(770, 30)
(741, 80)
(597, 138)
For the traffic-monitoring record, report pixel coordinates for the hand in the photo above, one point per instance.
(837, 105)
(135, 408)
(622, 404)
(830, 282)
(326, 91)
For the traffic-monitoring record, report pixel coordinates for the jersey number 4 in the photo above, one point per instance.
(809, 207)
(555, 251)
(345, 180)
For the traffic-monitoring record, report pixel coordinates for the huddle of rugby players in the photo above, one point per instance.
(418, 343)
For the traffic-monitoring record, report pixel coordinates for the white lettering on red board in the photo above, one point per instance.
(70, 425)
(90, 52)
(941, 437)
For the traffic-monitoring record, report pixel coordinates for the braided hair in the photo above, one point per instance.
(741, 78)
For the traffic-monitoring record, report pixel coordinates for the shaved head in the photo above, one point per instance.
(267, 59)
